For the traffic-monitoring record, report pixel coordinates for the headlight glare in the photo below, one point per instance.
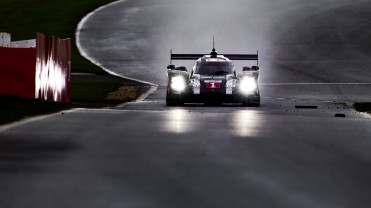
(247, 85)
(178, 83)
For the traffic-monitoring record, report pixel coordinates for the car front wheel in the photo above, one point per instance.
(173, 100)
(252, 101)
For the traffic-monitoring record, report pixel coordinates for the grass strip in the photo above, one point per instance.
(23, 18)
(14, 108)
(98, 94)
(86, 94)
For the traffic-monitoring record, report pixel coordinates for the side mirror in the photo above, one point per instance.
(255, 68)
(171, 67)
(252, 68)
(246, 68)
(181, 68)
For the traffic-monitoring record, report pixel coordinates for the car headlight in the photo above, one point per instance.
(248, 85)
(178, 83)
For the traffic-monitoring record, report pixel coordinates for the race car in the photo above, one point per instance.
(213, 80)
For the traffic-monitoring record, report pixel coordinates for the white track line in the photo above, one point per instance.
(141, 98)
(145, 95)
(33, 119)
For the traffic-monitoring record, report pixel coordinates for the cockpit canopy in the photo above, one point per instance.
(214, 68)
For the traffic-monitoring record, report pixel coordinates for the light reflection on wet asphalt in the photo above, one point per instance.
(149, 155)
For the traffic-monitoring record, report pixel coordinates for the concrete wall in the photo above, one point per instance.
(23, 44)
(17, 71)
(4, 39)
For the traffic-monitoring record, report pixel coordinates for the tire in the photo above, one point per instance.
(252, 101)
(173, 100)
(170, 102)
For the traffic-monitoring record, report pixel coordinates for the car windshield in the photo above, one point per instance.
(214, 68)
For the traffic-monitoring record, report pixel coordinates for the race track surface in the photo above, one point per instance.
(303, 147)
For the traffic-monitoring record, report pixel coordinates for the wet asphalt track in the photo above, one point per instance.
(145, 154)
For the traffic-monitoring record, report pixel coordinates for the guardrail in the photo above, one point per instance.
(43, 72)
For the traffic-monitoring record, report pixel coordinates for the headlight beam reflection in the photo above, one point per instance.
(245, 123)
(177, 121)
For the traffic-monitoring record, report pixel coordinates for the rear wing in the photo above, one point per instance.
(249, 57)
